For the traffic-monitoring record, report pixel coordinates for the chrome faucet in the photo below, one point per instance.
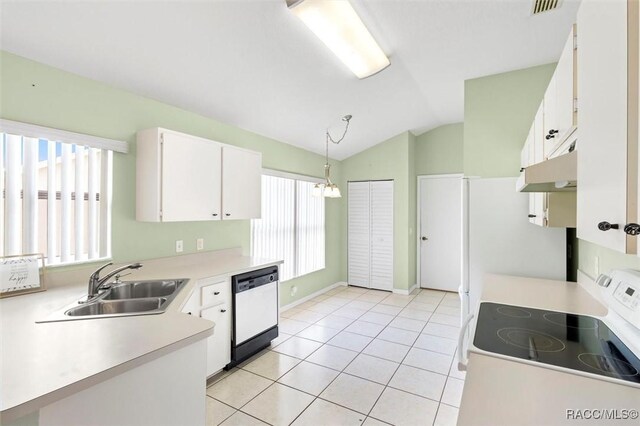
(96, 283)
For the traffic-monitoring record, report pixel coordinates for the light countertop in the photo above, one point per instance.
(503, 392)
(45, 362)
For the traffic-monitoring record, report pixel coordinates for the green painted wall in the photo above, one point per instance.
(388, 160)
(439, 151)
(498, 112)
(39, 94)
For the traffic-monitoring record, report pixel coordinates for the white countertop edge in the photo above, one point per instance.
(13, 413)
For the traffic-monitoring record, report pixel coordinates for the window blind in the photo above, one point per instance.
(56, 199)
(291, 227)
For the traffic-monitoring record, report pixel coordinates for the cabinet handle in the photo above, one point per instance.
(215, 293)
(531, 216)
(189, 313)
(227, 214)
(215, 214)
(553, 132)
(632, 229)
(223, 310)
(424, 238)
(605, 226)
(549, 137)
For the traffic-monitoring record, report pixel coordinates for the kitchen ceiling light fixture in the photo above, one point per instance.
(329, 189)
(340, 28)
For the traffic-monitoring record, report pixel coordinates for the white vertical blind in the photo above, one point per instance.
(52, 188)
(54, 199)
(272, 235)
(79, 202)
(13, 206)
(65, 206)
(30, 195)
(310, 242)
(92, 216)
(291, 226)
(106, 189)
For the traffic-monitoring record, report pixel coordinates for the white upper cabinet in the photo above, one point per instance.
(605, 194)
(241, 183)
(559, 104)
(187, 178)
(190, 178)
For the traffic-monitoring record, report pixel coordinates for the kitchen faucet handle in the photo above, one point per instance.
(96, 273)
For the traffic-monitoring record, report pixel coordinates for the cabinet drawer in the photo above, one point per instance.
(213, 294)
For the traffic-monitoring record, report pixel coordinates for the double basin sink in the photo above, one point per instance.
(127, 298)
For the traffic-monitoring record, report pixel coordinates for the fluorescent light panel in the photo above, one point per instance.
(340, 28)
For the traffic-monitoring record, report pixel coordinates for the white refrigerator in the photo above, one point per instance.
(498, 238)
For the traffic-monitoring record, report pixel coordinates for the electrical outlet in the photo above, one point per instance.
(596, 265)
(179, 246)
(200, 244)
(294, 290)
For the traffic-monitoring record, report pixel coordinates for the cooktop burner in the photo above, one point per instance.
(571, 341)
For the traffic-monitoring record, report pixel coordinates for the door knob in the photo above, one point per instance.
(632, 229)
(605, 226)
(424, 238)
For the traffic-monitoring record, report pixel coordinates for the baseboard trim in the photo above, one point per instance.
(312, 295)
(404, 291)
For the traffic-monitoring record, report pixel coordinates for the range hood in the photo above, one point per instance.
(559, 174)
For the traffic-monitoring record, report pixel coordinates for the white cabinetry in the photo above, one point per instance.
(607, 161)
(211, 300)
(181, 177)
(559, 101)
(241, 179)
(370, 234)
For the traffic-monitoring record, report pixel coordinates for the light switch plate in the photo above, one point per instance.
(200, 244)
(179, 246)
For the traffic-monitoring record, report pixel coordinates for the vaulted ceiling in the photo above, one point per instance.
(253, 64)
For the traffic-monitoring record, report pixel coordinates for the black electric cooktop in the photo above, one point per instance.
(576, 342)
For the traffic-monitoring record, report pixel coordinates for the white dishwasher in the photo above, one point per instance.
(255, 312)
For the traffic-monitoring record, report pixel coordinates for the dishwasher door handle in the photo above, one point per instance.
(462, 359)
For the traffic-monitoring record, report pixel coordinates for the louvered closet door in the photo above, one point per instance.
(381, 225)
(359, 234)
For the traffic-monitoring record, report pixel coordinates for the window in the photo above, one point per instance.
(291, 227)
(55, 193)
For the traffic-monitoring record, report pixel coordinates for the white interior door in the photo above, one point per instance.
(381, 194)
(441, 233)
(358, 234)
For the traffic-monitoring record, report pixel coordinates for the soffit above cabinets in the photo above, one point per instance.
(254, 65)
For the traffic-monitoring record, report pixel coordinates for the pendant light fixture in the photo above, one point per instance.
(340, 28)
(329, 189)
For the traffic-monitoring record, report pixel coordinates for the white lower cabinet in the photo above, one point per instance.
(211, 300)
(218, 345)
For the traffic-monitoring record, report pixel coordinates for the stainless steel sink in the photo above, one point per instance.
(111, 307)
(138, 289)
(127, 298)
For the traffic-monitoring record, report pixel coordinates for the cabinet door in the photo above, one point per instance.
(190, 178)
(537, 208)
(602, 114)
(550, 114)
(218, 345)
(525, 155)
(565, 94)
(537, 148)
(241, 183)
(192, 307)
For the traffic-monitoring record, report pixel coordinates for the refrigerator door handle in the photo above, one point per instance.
(462, 359)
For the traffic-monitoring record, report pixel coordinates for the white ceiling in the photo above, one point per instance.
(253, 64)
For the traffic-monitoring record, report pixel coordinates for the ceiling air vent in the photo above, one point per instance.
(540, 6)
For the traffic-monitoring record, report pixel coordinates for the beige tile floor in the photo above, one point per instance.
(351, 356)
